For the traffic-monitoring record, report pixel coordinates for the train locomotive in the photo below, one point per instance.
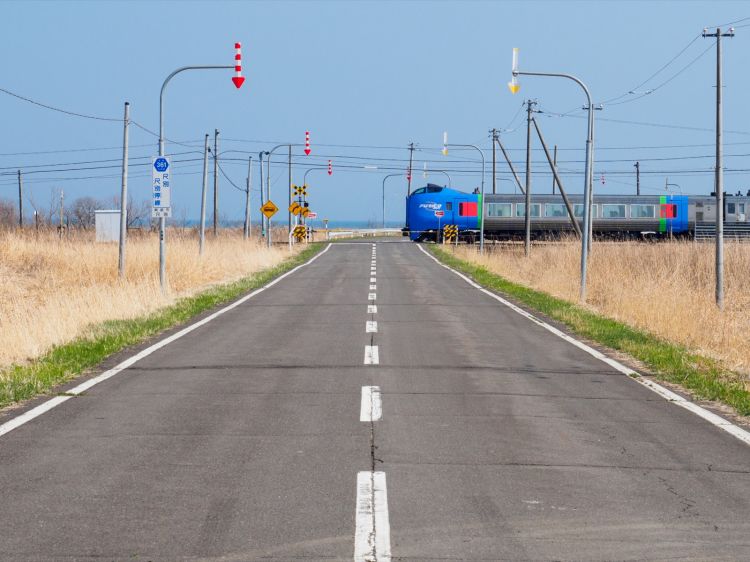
(432, 207)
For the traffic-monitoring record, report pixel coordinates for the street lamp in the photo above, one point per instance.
(441, 172)
(288, 188)
(163, 220)
(588, 174)
(385, 178)
(481, 202)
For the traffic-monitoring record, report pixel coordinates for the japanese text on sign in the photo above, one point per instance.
(161, 187)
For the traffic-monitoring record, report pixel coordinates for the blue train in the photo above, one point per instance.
(431, 207)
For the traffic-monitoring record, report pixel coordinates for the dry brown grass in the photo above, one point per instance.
(52, 289)
(666, 288)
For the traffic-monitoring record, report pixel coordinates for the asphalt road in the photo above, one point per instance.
(472, 434)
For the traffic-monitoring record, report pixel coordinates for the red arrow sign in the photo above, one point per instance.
(330, 167)
(238, 79)
(307, 143)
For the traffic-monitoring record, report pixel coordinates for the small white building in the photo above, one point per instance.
(108, 226)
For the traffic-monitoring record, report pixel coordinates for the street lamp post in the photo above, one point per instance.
(588, 174)
(441, 172)
(268, 182)
(481, 203)
(385, 178)
(163, 220)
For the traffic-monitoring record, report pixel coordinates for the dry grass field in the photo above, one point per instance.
(666, 288)
(51, 290)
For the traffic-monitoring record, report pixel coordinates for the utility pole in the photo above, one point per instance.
(527, 241)
(20, 200)
(554, 165)
(246, 231)
(637, 178)
(204, 188)
(216, 182)
(510, 165)
(719, 171)
(494, 179)
(408, 177)
(124, 195)
(262, 199)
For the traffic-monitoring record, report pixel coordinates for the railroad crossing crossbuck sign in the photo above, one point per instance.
(300, 190)
(450, 232)
(269, 209)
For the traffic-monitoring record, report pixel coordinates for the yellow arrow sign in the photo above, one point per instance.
(305, 211)
(269, 209)
(293, 207)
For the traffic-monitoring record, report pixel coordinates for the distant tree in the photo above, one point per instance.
(8, 213)
(83, 212)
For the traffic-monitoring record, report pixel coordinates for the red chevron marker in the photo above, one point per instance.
(330, 168)
(307, 143)
(238, 79)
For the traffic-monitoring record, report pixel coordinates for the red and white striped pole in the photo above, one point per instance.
(330, 168)
(307, 143)
(238, 79)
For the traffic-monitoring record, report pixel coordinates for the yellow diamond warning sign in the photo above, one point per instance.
(269, 209)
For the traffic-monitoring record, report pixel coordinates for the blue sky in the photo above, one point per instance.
(367, 78)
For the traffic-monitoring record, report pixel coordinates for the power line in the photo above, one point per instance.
(65, 111)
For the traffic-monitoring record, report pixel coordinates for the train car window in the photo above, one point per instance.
(642, 211)
(449, 206)
(555, 210)
(433, 189)
(419, 191)
(741, 208)
(499, 210)
(578, 210)
(613, 211)
(536, 210)
(731, 210)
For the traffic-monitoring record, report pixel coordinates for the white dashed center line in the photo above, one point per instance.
(371, 296)
(371, 355)
(372, 309)
(373, 287)
(372, 536)
(372, 279)
(371, 327)
(371, 408)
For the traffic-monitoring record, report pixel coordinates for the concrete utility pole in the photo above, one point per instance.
(204, 188)
(289, 191)
(408, 177)
(216, 182)
(637, 178)
(20, 200)
(554, 165)
(246, 232)
(124, 194)
(262, 198)
(719, 171)
(527, 220)
(494, 165)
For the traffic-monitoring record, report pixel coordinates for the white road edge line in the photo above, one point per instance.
(373, 287)
(371, 327)
(371, 408)
(49, 404)
(372, 535)
(371, 355)
(372, 309)
(373, 279)
(372, 296)
(665, 393)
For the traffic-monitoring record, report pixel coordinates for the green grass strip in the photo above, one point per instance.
(65, 362)
(670, 362)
